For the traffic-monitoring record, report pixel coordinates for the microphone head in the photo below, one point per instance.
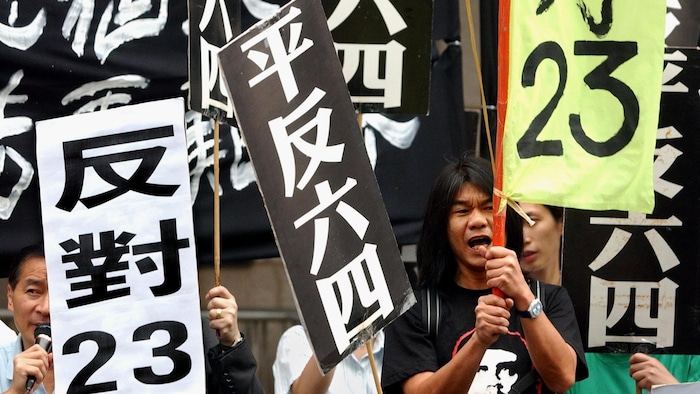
(42, 329)
(42, 336)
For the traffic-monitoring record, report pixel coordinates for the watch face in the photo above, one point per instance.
(536, 308)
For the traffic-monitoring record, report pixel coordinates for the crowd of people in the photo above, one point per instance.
(526, 340)
(486, 343)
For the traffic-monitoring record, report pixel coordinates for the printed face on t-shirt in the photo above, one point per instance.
(496, 374)
(506, 361)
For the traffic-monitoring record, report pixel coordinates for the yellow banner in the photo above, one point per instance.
(583, 102)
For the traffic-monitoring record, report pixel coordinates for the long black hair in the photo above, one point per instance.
(437, 265)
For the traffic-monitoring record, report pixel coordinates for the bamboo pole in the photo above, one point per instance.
(368, 344)
(375, 373)
(217, 215)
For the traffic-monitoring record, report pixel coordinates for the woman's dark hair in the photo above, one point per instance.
(437, 266)
(557, 212)
(28, 252)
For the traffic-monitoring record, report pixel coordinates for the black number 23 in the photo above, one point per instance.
(617, 52)
(106, 346)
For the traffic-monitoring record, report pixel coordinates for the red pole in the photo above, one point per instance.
(499, 219)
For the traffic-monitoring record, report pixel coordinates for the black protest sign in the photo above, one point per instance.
(683, 23)
(211, 25)
(386, 62)
(322, 198)
(633, 277)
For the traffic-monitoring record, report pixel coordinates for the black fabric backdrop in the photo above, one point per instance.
(51, 69)
(639, 261)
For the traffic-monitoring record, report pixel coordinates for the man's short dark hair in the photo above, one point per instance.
(28, 252)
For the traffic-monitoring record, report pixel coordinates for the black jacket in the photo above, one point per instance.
(230, 370)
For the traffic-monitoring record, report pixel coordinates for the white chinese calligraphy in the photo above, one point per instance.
(671, 71)
(8, 203)
(18, 124)
(382, 67)
(9, 127)
(281, 56)
(106, 86)
(654, 303)
(200, 145)
(373, 54)
(23, 37)
(671, 21)
(260, 9)
(393, 20)
(321, 225)
(376, 294)
(128, 18)
(664, 308)
(318, 152)
(209, 67)
(198, 148)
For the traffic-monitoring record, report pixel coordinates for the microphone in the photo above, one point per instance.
(42, 337)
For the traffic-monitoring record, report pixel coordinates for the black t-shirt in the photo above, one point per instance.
(409, 348)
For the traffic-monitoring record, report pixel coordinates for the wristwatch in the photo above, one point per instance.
(533, 310)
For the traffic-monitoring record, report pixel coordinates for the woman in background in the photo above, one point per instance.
(609, 373)
(542, 243)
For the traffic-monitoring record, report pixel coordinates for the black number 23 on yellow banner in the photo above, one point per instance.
(583, 102)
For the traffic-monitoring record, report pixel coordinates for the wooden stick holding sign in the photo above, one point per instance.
(217, 218)
(368, 344)
(206, 96)
(373, 364)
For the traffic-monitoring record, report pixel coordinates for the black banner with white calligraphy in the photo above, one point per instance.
(61, 58)
(683, 23)
(386, 62)
(212, 24)
(127, 54)
(320, 193)
(634, 277)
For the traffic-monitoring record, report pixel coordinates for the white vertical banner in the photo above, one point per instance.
(120, 251)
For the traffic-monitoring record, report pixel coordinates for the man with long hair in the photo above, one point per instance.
(482, 342)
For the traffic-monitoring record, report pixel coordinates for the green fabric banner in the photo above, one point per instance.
(583, 102)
